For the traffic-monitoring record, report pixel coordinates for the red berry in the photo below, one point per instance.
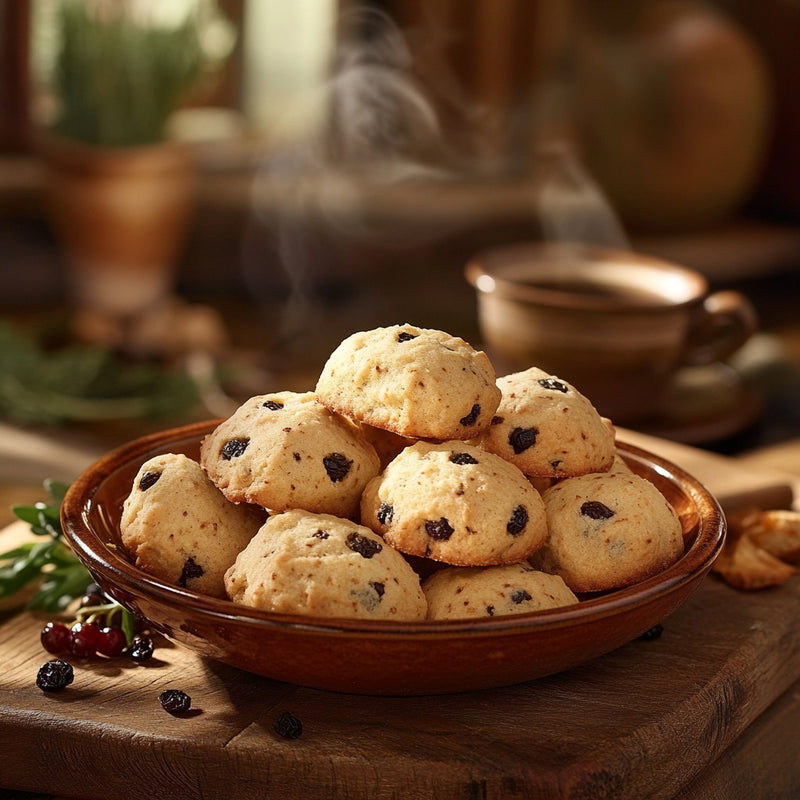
(55, 637)
(85, 639)
(112, 642)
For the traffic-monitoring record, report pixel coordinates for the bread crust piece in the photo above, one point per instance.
(415, 382)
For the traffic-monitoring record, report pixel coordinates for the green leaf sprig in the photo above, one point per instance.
(49, 562)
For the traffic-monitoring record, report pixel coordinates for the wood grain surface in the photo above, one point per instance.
(642, 722)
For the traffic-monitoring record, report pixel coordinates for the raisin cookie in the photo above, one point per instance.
(607, 531)
(415, 382)
(286, 450)
(455, 503)
(548, 428)
(469, 592)
(324, 566)
(179, 527)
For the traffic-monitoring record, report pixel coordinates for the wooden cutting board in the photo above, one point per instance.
(645, 721)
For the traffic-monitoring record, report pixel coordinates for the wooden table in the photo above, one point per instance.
(708, 710)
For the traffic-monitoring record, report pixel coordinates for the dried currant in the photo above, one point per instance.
(472, 417)
(272, 405)
(463, 458)
(337, 466)
(405, 336)
(490, 611)
(148, 479)
(234, 448)
(363, 545)
(380, 589)
(552, 383)
(141, 648)
(519, 596)
(521, 439)
(653, 633)
(288, 725)
(518, 521)
(594, 509)
(191, 569)
(439, 529)
(320, 534)
(385, 513)
(54, 675)
(175, 701)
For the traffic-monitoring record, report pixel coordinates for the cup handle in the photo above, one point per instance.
(725, 322)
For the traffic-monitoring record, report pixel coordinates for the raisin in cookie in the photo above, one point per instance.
(455, 503)
(548, 428)
(324, 566)
(179, 527)
(420, 383)
(286, 450)
(607, 531)
(469, 592)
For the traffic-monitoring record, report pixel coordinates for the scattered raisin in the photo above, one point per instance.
(363, 545)
(54, 675)
(148, 479)
(175, 701)
(272, 405)
(337, 466)
(519, 596)
(141, 648)
(385, 513)
(497, 420)
(490, 611)
(233, 448)
(518, 521)
(472, 417)
(405, 336)
(594, 509)
(552, 383)
(439, 529)
(320, 534)
(191, 569)
(463, 458)
(653, 633)
(521, 439)
(288, 725)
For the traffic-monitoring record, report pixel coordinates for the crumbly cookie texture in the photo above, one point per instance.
(179, 527)
(471, 592)
(607, 531)
(324, 566)
(455, 503)
(286, 450)
(548, 428)
(415, 382)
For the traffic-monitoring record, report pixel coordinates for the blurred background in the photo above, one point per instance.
(338, 162)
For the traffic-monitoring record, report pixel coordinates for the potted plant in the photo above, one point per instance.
(119, 193)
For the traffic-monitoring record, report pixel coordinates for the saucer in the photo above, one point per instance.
(704, 404)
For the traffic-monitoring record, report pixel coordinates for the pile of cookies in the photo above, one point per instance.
(412, 484)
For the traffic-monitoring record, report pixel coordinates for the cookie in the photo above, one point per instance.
(548, 428)
(455, 503)
(607, 531)
(179, 527)
(470, 592)
(416, 382)
(324, 566)
(286, 450)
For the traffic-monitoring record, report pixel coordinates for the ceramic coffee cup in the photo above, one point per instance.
(616, 324)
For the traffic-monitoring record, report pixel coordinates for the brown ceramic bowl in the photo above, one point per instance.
(366, 657)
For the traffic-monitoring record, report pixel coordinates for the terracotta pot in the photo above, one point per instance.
(121, 217)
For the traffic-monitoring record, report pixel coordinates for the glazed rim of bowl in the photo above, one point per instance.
(502, 271)
(110, 566)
